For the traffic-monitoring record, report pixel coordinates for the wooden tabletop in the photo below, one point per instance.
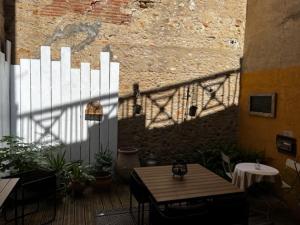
(199, 182)
(6, 187)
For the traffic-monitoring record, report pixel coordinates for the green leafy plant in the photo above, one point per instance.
(77, 178)
(104, 161)
(56, 161)
(17, 156)
(211, 157)
(79, 173)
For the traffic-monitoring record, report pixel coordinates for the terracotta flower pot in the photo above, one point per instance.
(76, 188)
(102, 182)
(127, 160)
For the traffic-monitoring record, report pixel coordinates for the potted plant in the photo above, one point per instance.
(18, 157)
(103, 169)
(56, 162)
(78, 177)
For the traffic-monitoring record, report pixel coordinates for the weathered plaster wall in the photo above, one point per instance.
(271, 64)
(2, 32)
(158, 43)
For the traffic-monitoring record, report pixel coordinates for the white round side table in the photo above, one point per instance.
(246, 174)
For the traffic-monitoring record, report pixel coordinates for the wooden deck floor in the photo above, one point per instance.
(82, 210)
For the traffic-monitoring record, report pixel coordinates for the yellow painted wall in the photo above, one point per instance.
(259, 133)
(271, 63)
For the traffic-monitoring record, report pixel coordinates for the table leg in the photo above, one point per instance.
(16, 206)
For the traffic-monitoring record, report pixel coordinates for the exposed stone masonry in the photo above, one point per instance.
(158, 44)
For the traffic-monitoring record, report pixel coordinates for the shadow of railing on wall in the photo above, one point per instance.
(164, 126)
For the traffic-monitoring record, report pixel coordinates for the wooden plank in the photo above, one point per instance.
(25, 100)
(36, 100)
(75, 115)
(6, 84)
(46, 90)
(106, 202)
(2, 92)
(60, 213)
(56, 102)
(98, 203)
(15, 100)
(6, 187)
(85, 99)
(43, 213)
(69, 217)
(79, 211)
(90, 209)
(66, 99)
(199, 182)
(191, 188)
(31, 219)
(94, 126)
(113, 107)
(6, 98)
(124, 196)
(115, 201)
(104, 98)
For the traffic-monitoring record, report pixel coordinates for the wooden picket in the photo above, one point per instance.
(36, 98)
(85, 95)
(104, 100)
(48, 101)
(66, 98)
(46, 119)
(75, 115)
(113, 106)
(4, 91)
(94, 127)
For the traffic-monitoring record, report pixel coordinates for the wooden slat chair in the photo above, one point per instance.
(229, 210)
(294, 166)
(140, 193)
(271, 198)
(175, 214)
(35, 187)
(227, 166)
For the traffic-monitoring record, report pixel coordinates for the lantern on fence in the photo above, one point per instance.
(94, 111)
(137, 106)
(193, 107)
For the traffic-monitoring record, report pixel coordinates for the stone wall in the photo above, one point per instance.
(159, 43)
(2, 32)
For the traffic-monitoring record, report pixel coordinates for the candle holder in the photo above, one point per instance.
(179, 168)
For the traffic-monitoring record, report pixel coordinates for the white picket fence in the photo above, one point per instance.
(48, 99)
(4, 91)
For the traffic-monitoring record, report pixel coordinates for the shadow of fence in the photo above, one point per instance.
(162, 121)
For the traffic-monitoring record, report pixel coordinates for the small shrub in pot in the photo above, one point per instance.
(78, 178)
(103, 169)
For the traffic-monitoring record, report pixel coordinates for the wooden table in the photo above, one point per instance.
(6, 187)
(198, 183)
